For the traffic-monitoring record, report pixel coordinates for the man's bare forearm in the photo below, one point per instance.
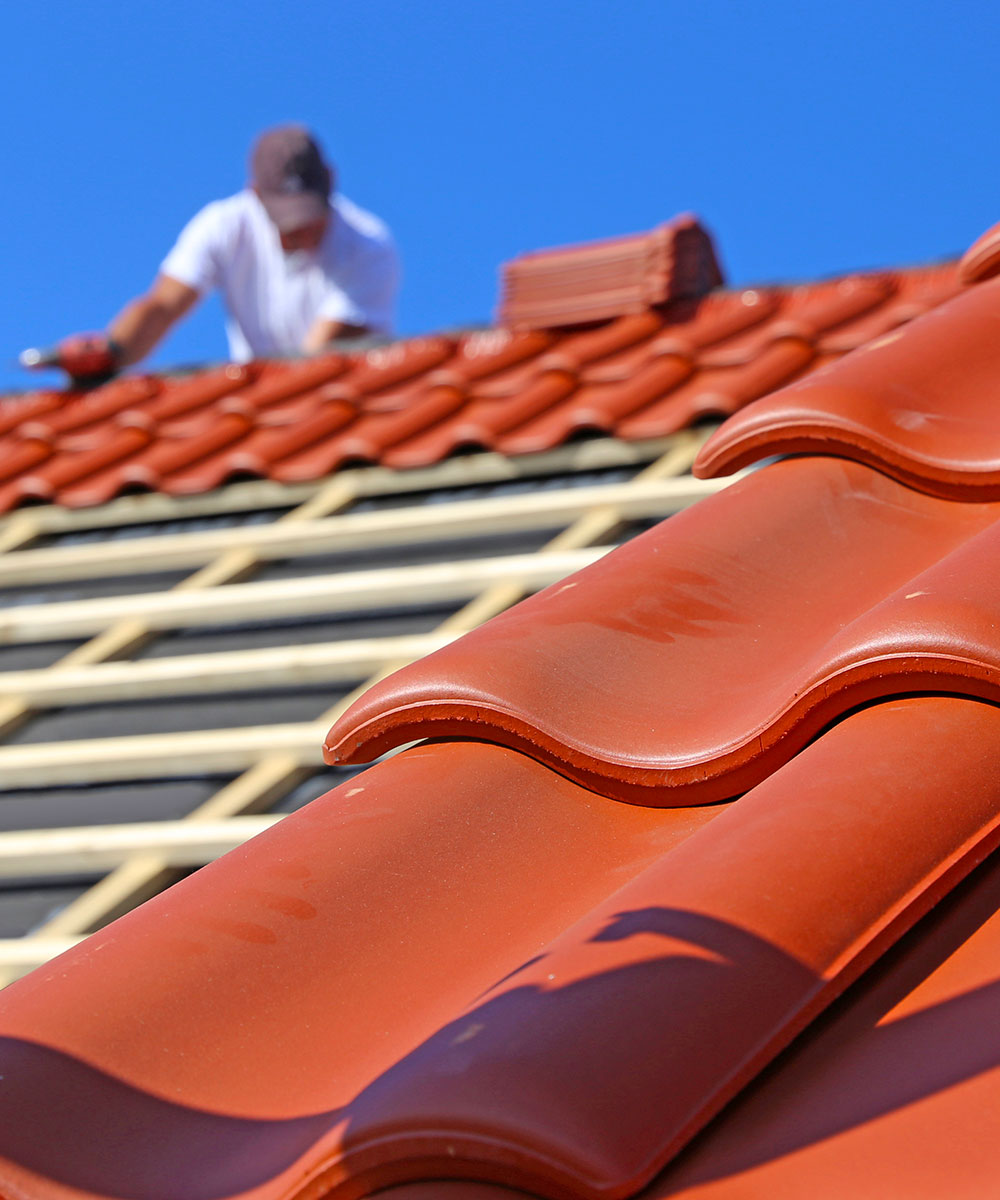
(138, 328)
(144, 322)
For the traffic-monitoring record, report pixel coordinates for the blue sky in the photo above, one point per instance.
(811, 138)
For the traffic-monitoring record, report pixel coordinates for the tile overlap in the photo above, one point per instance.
(475, 966)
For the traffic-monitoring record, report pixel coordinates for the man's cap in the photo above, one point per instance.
(291, 176)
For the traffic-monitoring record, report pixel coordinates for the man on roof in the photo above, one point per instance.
(297, 263)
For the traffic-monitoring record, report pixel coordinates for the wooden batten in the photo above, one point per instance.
(431, 583)
(387, 528)
(267, 761)
(98, 848)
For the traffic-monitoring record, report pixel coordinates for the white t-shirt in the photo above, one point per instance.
(273, 298)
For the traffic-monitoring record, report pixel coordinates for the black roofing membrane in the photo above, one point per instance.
(294, 631)
(88, 589)
(144, 529)
(28, 656)
(505, 487)
(178, 714)
(317, 785)
(23, 908)
(489, 545)
(114, 803)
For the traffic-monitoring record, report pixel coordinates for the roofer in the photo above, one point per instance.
(298, 265)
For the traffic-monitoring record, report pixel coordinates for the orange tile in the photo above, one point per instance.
(918, 403)
(584, 1073)
(895, 1093)
(693, 660)
(507, 397)
(298, 968)
(461, 965)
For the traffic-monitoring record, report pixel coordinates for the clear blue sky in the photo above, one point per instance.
(811, 138)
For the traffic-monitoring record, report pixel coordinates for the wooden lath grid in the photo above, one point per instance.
(269, 761)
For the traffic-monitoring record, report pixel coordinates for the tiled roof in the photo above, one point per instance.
(674, 807)
(412, 403)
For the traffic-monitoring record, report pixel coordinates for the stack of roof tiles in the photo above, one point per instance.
(598, 280)
(672, 808)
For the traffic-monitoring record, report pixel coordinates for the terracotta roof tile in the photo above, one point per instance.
(523, 1080)
(550, 915)
(982, 260)
(474, 964)
(511, 855)
(623, 676)
(638, 375)
(919, 404)
(895, 1092)
(597, 280)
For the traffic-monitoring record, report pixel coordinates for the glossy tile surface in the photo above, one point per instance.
(224, 1028)
(643, 374)
(919, 404)
(694, 660)
(896, 1092)
(501, 978)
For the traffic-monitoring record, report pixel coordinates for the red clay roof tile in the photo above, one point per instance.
(601, 407)
(205, 388)
(510, 855)
(323, 1053)
(896, 1092)
(376, 435)
(120, 441)
(919, 403)
(566, 1079)
(598, 280)
(100, 407)
(982, 259)
(625, 676)
(271, 444)
(512, 391)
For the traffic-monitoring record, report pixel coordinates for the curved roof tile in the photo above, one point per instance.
(604, 977)
(690, 662)
(641, 375)
(466, 969)
(919, 403)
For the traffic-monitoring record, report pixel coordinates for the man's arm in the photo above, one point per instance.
(363, 300)
(142, 324)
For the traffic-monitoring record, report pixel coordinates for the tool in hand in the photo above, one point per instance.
(88, 358)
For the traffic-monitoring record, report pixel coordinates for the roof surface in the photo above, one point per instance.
(672, 902)
(413, 403)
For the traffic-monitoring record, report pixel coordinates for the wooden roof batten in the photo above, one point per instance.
(271, 760)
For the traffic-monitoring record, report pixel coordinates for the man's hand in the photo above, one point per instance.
(92, 358)
(88, 358)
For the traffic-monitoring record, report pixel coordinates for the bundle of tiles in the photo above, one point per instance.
(572, 285)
